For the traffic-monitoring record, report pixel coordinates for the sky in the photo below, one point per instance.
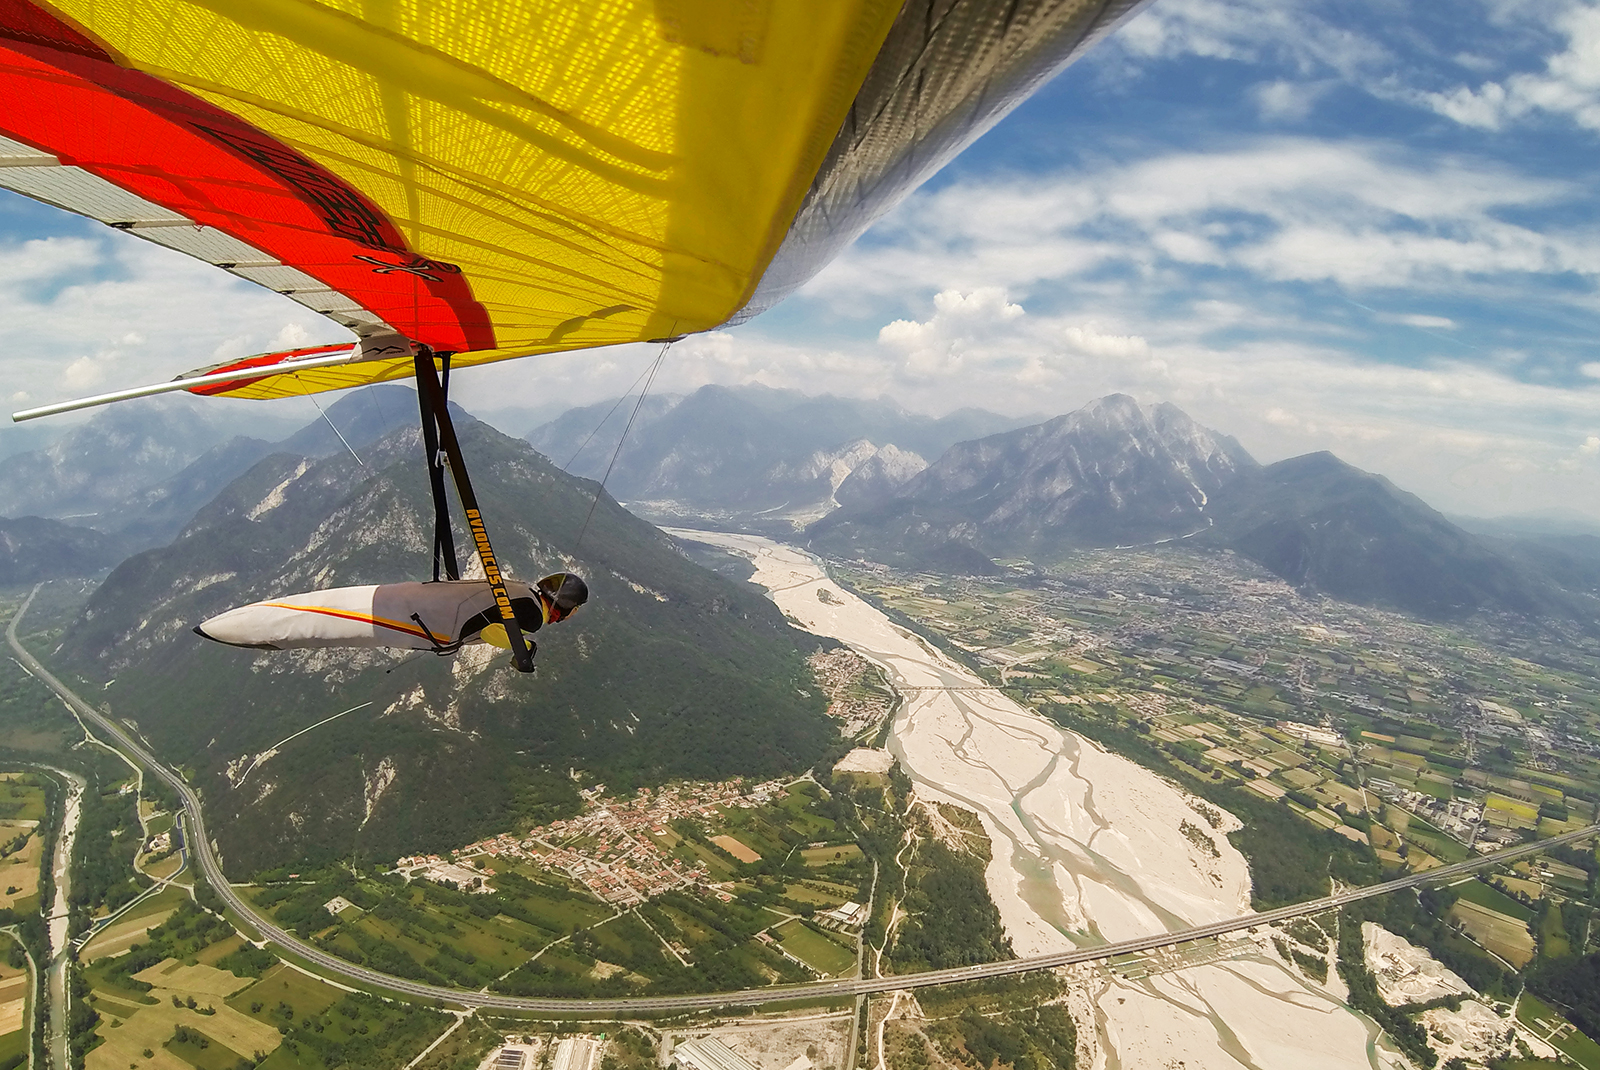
(1363, 226)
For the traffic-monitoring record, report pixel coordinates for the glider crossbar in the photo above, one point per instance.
(428, 386)
(172, 386)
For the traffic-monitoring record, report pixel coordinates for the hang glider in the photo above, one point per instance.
(441, 617)
(458, 184)
(505, 179)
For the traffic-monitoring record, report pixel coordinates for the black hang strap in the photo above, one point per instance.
(444, 542)
(429, 388)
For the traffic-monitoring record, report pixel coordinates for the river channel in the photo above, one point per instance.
(1087, 848)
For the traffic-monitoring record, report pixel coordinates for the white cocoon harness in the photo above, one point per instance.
(413, 616)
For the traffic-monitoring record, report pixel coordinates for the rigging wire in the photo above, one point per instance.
(336, 431)
(625, 396)
(654, 368)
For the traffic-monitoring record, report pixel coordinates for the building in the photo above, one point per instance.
(575, 1053)
(510, 1059)
(847, 914)
(708, 1053)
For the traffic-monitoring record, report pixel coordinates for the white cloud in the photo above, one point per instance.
(1590, 445)
(1253, 31)
(116, 311)
(1284, 101)
(1089, 340)
(291, 335)
(1591, 369)
(43, 260)
(961, 323)
(82, 373)
(1569, 85)
(1286, 209)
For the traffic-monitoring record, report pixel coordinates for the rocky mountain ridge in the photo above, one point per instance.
(751, 457)
(1116, 473)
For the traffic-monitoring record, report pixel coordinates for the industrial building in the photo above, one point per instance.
(709, 1053)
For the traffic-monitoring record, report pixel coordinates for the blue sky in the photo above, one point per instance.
(1364, 226)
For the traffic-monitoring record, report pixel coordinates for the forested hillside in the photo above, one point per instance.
(670, 671)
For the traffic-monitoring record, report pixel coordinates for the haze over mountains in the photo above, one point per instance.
(772, 459)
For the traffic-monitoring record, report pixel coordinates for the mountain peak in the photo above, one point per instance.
(1109, 473)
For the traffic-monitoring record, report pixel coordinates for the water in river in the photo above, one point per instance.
(1088, 848)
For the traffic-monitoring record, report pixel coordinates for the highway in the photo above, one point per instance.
(203, 855)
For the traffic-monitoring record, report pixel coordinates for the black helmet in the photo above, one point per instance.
(565, 592)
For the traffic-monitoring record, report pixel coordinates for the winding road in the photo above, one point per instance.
(205, 857)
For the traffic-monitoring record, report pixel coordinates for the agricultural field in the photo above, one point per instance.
(14, 1000)
(533, 931)
(1354, 744)
(1427, 741)
(1549, 1024)
(425, 931)
(195, 994)
(132, 927)
(22, 802)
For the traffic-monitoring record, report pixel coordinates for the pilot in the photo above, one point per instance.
(558, 596)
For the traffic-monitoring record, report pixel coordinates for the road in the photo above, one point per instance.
(58, 917)
(205, 858)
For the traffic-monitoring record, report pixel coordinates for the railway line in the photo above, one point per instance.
(205, 859)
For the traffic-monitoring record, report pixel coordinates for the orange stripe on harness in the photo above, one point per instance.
(380, 622)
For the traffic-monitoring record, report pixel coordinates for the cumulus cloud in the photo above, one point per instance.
(82, 374)
(1089, 339)
(1253, 31)
(1590, 445)
(961, 322)
(85, 311)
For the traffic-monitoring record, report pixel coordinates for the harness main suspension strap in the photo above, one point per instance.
(444, 541)
(432, 393)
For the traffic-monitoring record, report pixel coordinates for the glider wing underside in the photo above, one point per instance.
(508, 179)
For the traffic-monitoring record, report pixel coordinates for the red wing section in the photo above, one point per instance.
(133, 151)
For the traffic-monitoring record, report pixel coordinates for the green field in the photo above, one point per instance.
(1553, 940)
(825, 856)
(822, 953)
(1476, 891)
(1434, 841)
(21, 799)
(427, 932)
(1575, 1045)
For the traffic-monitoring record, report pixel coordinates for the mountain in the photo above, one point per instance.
(747, 451)
(121, 450)
(879, 476)
(1112, 472)
(33, 548)
(1325, 525)
(582, 440)
(1116, 473)
(670, 671)
(361, 417)
(119, 468)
